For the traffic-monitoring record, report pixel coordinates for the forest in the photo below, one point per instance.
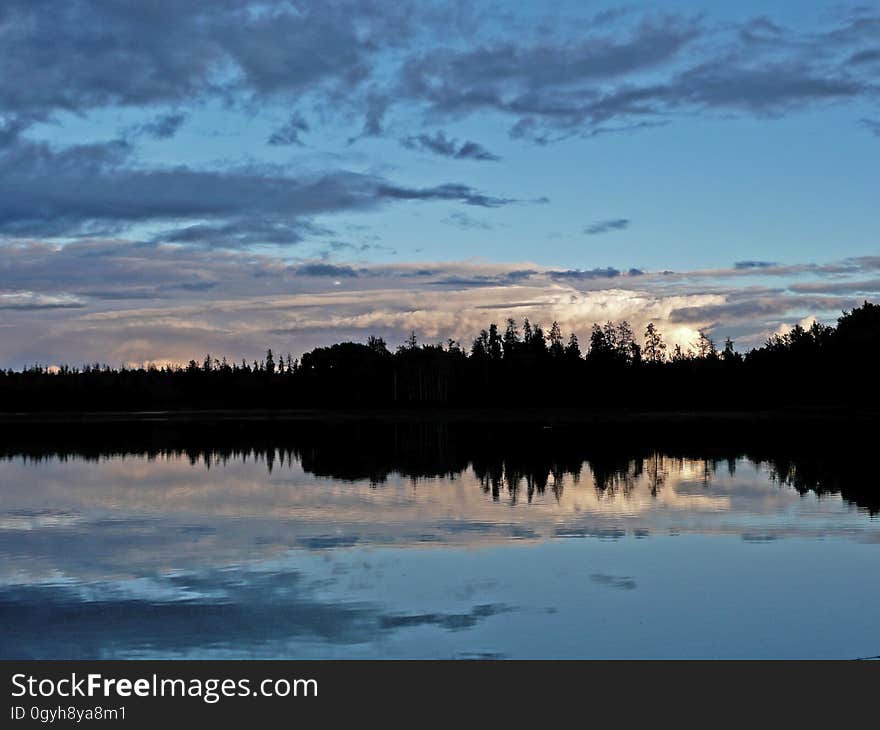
(519, 366)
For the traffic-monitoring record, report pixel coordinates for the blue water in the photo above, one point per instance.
(165, 557)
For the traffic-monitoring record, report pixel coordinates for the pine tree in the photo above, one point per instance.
(557, 349)
(655, 348)
(494, 345)
(270, 363)
(573, 348)
(511, 338)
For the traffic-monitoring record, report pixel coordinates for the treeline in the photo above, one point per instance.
(517, 367)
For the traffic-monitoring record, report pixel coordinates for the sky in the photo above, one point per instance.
(180, 178)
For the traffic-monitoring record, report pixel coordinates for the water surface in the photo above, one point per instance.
(422, 541)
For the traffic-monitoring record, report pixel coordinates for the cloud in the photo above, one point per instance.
(638, 76)
(371, 62)
(740, 306)
(617, 224)
(164, 126)
(290, 132)
(87, 54)
(120, 301)
(91, 189)
(30, 301)
(608, 272)
(318, 269)
(467, 222)
(13, 124)
(870, 287)
(449, 191)
(440, 144)
(244, 232)
(872, 125)
(745, 265)
(510, 75)
(871, 55)
(767, 89)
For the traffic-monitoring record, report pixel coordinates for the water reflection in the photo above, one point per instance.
(423, 540)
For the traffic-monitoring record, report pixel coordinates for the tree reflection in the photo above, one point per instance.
(511, 462)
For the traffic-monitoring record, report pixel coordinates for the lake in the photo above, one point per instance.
(432, 540)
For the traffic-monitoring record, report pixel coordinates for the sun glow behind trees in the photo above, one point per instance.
(521, 367)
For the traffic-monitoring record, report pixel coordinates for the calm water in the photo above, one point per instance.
(354, 545)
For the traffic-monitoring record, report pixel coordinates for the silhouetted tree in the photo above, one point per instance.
(705, 346)
(624, 341)
(511, 339)
(556, 344)
(527, 331)
(655, 348)
(600, 348)
(573, 348)
(493, 344)
(679, 355)
(480, 347)
(836, 366)
(730, 355)
(377, 344)
(538, 343)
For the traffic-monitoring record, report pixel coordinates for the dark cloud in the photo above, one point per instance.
(581, 274)
(523, 275)
(364, 59)
(771, 88)
(872, 125)
(92, 189)
(87, 53)
(520, 274)
(510, 75)
(617, 224)
(871, 55)
(744, 265)
(440, 144)
(376, 106)
(746, 305)
(290, 132)
(465, 282)
(557, 88)
(164, 126)
(450, 191)
(12, 125)
(760, 29)
(245, 232)
(320, 269)
(474, 151)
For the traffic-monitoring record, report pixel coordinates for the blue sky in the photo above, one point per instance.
(178, 177)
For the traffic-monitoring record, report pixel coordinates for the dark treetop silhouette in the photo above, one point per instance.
(822, 366)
